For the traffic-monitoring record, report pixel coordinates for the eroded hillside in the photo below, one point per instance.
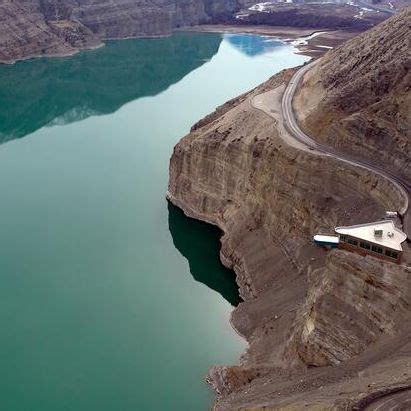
(59, 27)
(358, 97)
(324, 328)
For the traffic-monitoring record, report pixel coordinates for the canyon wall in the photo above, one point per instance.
(235, 171)
(25, 32)
(350, 302)
(59, 27)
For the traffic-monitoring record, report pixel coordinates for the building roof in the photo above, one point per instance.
(326, 239)
(382, 232)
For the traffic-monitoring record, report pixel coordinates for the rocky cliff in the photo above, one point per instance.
(358, 96)
(25, 31)
(315, 321)
(59, 27)
(351, 301)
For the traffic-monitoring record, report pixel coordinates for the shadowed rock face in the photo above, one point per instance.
(60, 27)
(39, 92)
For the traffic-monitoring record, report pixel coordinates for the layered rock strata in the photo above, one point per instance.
(60, 27)
(351, 301)
(26, 30)
(300, 308)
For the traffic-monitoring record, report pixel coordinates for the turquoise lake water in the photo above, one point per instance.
(111, 299)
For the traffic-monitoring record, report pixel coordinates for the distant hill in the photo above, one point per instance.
(310, 14)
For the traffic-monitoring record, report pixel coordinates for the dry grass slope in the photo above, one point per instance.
(362, 101)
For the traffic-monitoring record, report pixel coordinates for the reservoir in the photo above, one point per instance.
(111, 299)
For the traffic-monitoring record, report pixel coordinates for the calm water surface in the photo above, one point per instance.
(110, 299)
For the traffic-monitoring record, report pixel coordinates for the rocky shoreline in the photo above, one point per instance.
(323, 328)
(312, 48)
(32, 28)
(48, 28)
(56, 55)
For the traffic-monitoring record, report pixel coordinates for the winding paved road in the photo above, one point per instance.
(293, 128)
(399, 401)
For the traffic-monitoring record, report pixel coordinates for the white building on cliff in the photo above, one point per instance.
(379, 239)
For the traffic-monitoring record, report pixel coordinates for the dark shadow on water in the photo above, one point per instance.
(253, 45)
(199, 243)
(63, 90)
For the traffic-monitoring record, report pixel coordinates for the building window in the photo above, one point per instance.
(352, 242)
(391, 254)
(343, 238)
(364, 245)
(376, 249)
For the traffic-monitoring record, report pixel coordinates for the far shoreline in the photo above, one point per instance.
(313, 48)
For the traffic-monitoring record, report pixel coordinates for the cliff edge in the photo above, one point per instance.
(326, 330)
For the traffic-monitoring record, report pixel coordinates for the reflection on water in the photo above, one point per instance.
(98, 310)
(198, 242)
(63, 90)
(253, 45)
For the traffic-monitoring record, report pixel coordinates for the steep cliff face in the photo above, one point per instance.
(25, 31)
(124, 18)
(58, 27)
(350, 304)
(358, 96)
(15, 20)
(303, 307)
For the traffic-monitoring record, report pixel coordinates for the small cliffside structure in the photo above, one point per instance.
(379, 239)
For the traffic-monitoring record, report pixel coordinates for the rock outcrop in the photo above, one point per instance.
(315, 321)
(59, 27)
(350, 303)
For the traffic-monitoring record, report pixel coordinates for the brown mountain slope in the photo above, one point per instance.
(357, 98)
(59, 27)
(326, 330)
(24, 32)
